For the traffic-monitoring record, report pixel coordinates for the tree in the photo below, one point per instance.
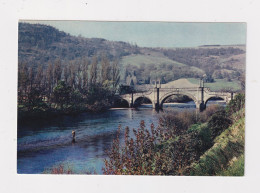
(57, 71)
(115, 74)
(242, 80)
(85, 75)
(35, 98)
(31, 77)
(39, 76)
(105, 69)
(93, 71)
(61, 94)
(66, 74)
(72, 76)
(49, 77)
(23, 80)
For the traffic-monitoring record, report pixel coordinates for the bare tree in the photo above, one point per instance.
(105, 69)
(115, 74)
(93, 71)
(39, 76)
(85, 74)
(49, 76)
(57, 71)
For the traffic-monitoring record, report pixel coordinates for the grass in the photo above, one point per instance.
(236, 168)
(148, 59)
(226, 155)
(219, 84)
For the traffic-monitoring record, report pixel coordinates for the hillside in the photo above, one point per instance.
(226, 156)
(42, 44)
(220, 84)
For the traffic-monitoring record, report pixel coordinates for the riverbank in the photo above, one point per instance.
(226, 157)
(24, 114)
(184, 143)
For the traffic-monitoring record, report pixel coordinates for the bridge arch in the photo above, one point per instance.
(167, 95)
(139, 98)
(215, 97)
(121, 102)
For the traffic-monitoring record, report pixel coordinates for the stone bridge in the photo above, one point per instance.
(200, 95)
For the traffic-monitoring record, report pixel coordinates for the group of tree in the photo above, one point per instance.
(87, 84)
(210, 60)
(145, 73)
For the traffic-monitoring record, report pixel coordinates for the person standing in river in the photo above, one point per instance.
(73, 136)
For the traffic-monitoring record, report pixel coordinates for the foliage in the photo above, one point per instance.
(236, 104)
(205, 115)
(218, 123)
(178, 145)
(208, 58)
(62, 94)
(70, 89)
(228, 146)
(236, 167)
(46, 44)
(59, 169)
(204, 136)
(154, 152)
(165, 150)
(176, 122)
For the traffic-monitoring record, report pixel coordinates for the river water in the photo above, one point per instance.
(44, 144)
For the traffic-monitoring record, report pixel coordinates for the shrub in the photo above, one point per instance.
(203, 136)
(218, 123)
(59, 169)
(158, 151)
(228, 145)
(208, 112)
(177, 122)
(236, 168)
(236, 104)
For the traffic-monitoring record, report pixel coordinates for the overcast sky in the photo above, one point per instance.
(157, 34)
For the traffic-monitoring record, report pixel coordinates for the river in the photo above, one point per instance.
(46, 143)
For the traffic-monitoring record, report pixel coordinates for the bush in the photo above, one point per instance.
(208, 112)
(59, 169)
(177, 122)
(203, 135)
(236, 168)
(236, 104)
(218, 123)
(229, 145)
(165, 150)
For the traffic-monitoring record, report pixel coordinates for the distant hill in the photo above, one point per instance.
(43, 44)
(40, 44)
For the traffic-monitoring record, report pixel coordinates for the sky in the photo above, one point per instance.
(156, 34)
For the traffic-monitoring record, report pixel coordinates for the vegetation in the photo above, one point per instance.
(226, 150)
(184, 143)
(75, 88)
(221, 85)
(40, 45)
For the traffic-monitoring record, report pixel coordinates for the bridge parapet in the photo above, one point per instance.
(200, 95)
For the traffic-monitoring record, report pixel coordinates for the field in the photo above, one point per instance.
(139, 59)
(220, 84)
